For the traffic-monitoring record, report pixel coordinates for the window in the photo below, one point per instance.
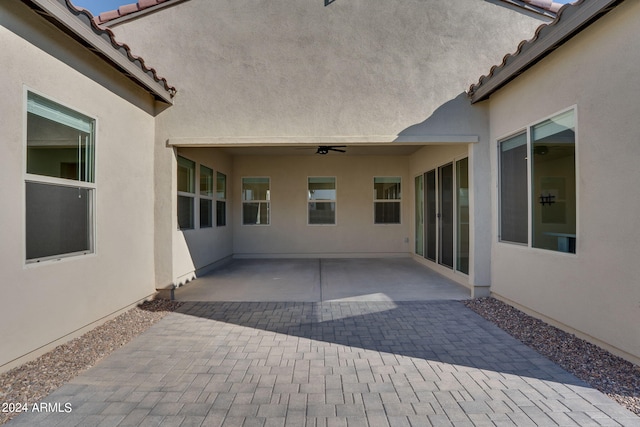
(221, 199)
(538, 185)
(462, 215)
(321, 196)
(514, 203)
(255, 201)
(59, 184)
(387, 199)
(186, 192)
(206, 197)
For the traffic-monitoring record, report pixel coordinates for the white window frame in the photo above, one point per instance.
(59, 182)
(527, 130)
(219, 199)
(202, 196)
(267, 201)
(192, 195)
(334, 201)
(376, 200)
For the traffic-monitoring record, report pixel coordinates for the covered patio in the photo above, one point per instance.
(322, 279)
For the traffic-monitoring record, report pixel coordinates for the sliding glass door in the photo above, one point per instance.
(445, 214)
(442, 215)
(419, 215)
(462, 215)
(431, 212)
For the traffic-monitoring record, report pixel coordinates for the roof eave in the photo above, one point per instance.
(570, 21)
(65, 19)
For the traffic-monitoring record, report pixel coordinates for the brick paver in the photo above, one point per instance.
(327, 364)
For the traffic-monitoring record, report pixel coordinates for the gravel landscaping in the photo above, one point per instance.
(31, 382)
(612, 375)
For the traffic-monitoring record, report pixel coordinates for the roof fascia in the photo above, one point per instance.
(570, 21)
(64, 17)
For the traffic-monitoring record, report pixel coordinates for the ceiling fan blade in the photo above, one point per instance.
(336, 149)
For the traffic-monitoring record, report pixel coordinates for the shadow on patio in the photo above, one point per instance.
(444, 332)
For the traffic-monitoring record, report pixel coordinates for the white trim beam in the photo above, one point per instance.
(263, 141)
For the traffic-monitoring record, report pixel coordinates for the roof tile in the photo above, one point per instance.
(523, 45)
(125, 10)
(125, 49)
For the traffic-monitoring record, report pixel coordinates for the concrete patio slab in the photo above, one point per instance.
(315, 280)
(426, 363)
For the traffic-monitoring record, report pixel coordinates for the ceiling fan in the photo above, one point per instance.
(324, 149)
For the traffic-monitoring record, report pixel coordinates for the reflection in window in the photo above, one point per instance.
(462, 215)
(387, 200)
(513, 189)
(549, 149)
(553, 179)
(59, 184)
(321, 193)
(186, 192)
(221, 199)
(206, 197)
(255, 201)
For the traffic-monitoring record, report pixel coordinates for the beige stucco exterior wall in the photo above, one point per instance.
(47, 303)
(198, 250)
(350, 68)
(302, 70)
(594, 292)
(354, 234)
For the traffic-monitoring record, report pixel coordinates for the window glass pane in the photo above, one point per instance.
(206, 213)
(185, 212)
(221, 213)
(206, 181)
(445, 181)
(553, 180)
(387, 213)
(419, 214)
(322, 213)
(255, 189)
(221, 186)
(186, 175)
(255, 213)
(462, 215)
(58, 220)
(513, 190)
(322, 188)
(59, 141)
(386, 188)
(431, 211)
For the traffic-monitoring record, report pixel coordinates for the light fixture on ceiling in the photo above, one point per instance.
(324, 149)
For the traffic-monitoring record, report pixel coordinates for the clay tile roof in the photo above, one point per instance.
(125, 10)
(121, 47)
(570, 19)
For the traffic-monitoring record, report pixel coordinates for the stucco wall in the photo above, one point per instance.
(44, 302)
(595, 291)
(201, 248)
(296, 69)
(291, 68)
(354, 234)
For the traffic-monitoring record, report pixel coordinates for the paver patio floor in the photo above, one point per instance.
(356, 363)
